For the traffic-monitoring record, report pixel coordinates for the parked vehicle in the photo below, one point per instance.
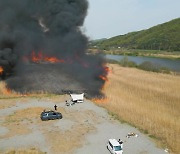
(50, 115)
(114, 147)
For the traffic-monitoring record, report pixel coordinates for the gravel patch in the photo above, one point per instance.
(100, 127)
(96, 142)
(3, 131)
(64, 124)
(35, 139)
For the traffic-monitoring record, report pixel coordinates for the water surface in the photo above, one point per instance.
(172, 64)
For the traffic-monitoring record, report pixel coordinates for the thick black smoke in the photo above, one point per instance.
(51, 27)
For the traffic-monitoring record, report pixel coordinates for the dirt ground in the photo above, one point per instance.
(84, 129)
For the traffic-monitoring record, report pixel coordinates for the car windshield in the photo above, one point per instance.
(117, 148)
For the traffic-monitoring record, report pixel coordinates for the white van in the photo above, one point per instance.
(114, 147)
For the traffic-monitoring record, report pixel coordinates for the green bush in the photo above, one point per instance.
(149, 66)
(126, 63)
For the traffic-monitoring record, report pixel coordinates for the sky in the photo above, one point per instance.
(108, 18)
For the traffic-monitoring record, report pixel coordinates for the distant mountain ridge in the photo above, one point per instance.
(161, 37)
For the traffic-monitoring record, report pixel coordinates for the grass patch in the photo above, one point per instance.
(6, 93)
(25, 151)
(15, 122)
(116, 117)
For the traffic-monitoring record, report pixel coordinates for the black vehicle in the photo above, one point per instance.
(50, 115)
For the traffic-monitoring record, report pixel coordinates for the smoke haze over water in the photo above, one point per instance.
(51, 27)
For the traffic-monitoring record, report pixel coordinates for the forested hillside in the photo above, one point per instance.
(161, 37)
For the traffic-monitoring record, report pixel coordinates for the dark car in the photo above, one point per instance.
(50, 115)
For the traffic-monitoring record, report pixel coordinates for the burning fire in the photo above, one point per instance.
(100, 101)
(4, 90)
(1, 70)
(40, 57)
(7, 91)
(104, 77)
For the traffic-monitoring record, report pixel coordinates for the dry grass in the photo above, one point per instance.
(25, 151)
(7, 104)
(18, 122)
(150, 101)
(70, 139)
(6, 93)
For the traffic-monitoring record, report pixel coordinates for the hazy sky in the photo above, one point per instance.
(107, 18)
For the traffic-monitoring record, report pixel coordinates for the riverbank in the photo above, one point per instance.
(147, 100)
(159, 65)
(143, 53)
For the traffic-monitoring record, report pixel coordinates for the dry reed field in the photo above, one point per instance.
(147, 100)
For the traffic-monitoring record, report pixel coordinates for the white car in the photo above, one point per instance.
(114, 147)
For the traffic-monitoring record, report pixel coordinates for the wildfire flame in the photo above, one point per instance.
(4, 90)
(1, 70)
(7, 91)
(104, 77)
(40, 57)
(100, 101)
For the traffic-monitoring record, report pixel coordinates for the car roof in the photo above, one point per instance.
(49, 111)
(114, 142)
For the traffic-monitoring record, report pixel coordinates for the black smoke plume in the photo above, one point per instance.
(52, 28)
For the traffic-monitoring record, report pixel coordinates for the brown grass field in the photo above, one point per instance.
(147, 100)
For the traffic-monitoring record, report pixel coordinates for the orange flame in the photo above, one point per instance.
(1, 70)
(100, 101)
(107, 69)
(40, 57)
(6, 91)
(54, 60)
(103, 78)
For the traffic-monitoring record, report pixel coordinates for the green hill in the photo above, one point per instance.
(161, 37)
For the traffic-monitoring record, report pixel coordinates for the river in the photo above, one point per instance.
(172, 64)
